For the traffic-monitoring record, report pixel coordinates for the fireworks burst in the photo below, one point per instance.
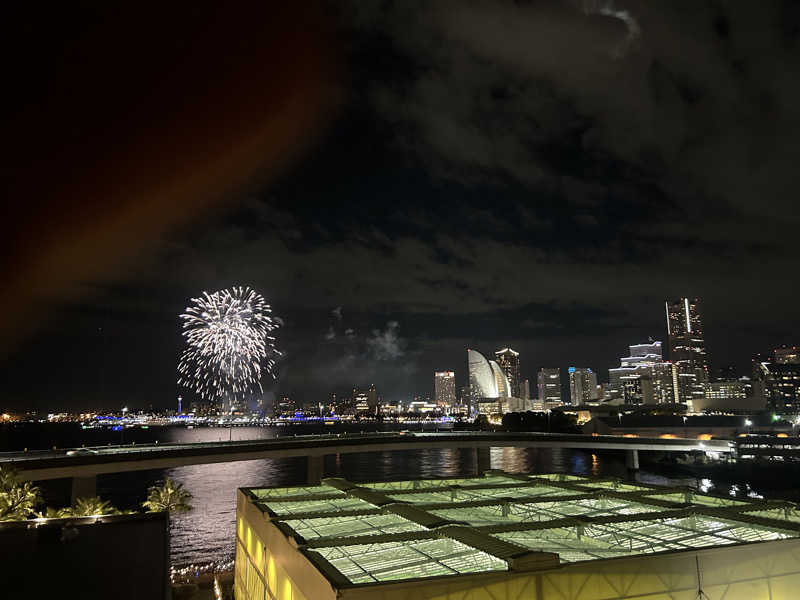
(228, 345)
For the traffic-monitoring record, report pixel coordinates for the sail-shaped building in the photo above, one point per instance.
(488, 384)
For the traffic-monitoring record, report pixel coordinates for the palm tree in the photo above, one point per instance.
(54, 513)
(17, 500)
(170, 497)
(89, 507)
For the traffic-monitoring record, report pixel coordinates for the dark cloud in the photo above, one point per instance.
(540, 174)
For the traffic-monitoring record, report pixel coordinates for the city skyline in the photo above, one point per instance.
(526, 370)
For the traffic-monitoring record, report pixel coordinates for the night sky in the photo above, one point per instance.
(401, 180)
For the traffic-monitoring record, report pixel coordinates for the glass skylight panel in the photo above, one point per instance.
(431, 497)
(263, 493)
(312, 506)
(779, 513)
(612, 485)
(378, 524)
(409, 559)
(534, 491)
(696, 499)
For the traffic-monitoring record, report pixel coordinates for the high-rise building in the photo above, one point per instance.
(644, 377)
(444, 389)
(687, 348)
(582, 385)
(372, 398)
(360, 403)
(508, 361)
(525, 389)
(549, 386)
(779, 381)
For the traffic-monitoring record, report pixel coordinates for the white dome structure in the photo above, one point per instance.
(486, 378)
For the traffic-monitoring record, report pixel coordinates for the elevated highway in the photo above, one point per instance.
(84, 464)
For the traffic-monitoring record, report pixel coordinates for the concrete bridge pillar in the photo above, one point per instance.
(84, 487)
(632, 459)
(314, 469)
(482, 459)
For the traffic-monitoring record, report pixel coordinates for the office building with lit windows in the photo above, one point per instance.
(643, 377)
(511, 537)
(779, 380)
(548, 382)
(508, 361)
(687, 348)
(444, 389)
(582, 385)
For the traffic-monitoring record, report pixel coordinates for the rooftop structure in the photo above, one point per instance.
(499, 535)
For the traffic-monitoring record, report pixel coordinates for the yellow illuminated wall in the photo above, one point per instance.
(257, 575)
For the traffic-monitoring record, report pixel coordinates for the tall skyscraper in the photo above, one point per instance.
(582, 385)
(508, 361)
(549, 385)
(687, 348)
(444, 389)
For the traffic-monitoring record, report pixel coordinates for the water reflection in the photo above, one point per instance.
(207, 532)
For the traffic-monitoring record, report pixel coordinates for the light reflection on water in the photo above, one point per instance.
(207, 533)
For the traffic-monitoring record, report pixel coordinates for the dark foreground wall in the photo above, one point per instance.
(118, 557)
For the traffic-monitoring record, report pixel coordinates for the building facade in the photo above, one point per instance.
(444, 389)
(487, 382)
(508, 361)
(582, 385)
(687, 348)
(548, 382)
(643, 376)
(779, 381)
(728, 389)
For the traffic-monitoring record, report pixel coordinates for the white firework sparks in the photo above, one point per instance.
(229, 345)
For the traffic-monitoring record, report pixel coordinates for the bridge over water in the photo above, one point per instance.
(85, 464)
